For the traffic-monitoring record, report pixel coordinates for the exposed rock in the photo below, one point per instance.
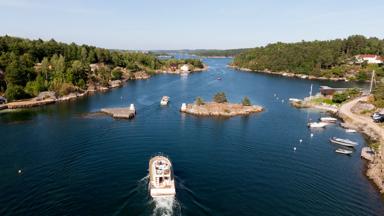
(45, 95)
(141, 75)
(221, 109)
(124, 113)
(115, 83)
(361, 107)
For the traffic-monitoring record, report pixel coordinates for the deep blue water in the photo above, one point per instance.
(76, 162)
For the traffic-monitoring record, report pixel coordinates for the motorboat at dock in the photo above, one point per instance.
(343, 142)
(328, 119)
(317, 124)
(344, 151)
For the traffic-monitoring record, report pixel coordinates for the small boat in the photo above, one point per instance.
(164, 100)
(294, 99)
(350, 131)
(161, 179)
(328, 119)
(344, 151)
(218, 78)
(343, 142)
(317, 124)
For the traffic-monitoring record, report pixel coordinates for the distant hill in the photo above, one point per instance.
(331, 58)
(218, 53)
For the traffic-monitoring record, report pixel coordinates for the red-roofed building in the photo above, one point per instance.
(370, 58)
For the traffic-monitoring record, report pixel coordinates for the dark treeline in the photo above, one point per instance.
(225, 53)
(318, 58)
(28, 67)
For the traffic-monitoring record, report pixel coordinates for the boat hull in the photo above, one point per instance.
(343, 143)
(161, 179)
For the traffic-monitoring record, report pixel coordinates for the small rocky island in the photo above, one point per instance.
(220, 107)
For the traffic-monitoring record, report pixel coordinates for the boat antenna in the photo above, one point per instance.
(372, 80)
(310, 92)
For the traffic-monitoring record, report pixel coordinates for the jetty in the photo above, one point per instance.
(220, 109)
(121, 112)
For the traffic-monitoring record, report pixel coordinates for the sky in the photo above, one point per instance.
(189, 24)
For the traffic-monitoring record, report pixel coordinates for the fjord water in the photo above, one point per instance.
(74, 161)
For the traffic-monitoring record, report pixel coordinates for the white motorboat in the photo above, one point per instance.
(161, 179)
(350, 131)
(294, 100)
(317, 124)
(164, 100)
(343, 142)
(328, 119)
(344, 151)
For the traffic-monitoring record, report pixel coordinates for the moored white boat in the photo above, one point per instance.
(344, 151)
(164, 100)
(350, 131)
(317, 124)
(161, 179)
(294, 99)
(328, 119)
(343, 142)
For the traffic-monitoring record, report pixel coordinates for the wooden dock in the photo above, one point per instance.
(121, 113)
(367, 153)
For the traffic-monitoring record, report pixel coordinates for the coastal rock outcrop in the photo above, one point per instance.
(221, 109)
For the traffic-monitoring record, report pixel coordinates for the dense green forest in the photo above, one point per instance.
(333, 58)
(215, 52)
(28, 67)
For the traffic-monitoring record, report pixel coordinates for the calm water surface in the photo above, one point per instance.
(76, 162)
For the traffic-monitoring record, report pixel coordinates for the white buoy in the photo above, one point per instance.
(294, 148)
(19, 171)
(311, 134)
(301, 140)
(132, 107)
(183, 107)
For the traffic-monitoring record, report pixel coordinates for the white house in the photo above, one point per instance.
(184, 68)
(370, 58)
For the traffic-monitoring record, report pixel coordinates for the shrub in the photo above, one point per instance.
(246, 101)
(116, 74)
(66, 88)
(33, 88)
(339, 97)
(15, 92)
(220, 97)
(199, 101)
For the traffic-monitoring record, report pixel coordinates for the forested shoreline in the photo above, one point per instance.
(330, 59)
(28, 67)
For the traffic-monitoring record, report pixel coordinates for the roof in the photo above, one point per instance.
(369, 56)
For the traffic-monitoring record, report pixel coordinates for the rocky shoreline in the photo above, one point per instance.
(364, 124)
(179, 71)
(51, 98)
(290, 74)
(221, 109)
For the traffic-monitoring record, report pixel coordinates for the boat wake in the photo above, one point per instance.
(162, 206)
(165, 206)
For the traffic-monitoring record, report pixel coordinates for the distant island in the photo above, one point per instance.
(220, 107)
(50, 71)
(216, 53)
(353, 58)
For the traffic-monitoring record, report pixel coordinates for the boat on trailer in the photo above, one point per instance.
(328, 119)
(161, 179)
(343, 142)
(344, 151)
